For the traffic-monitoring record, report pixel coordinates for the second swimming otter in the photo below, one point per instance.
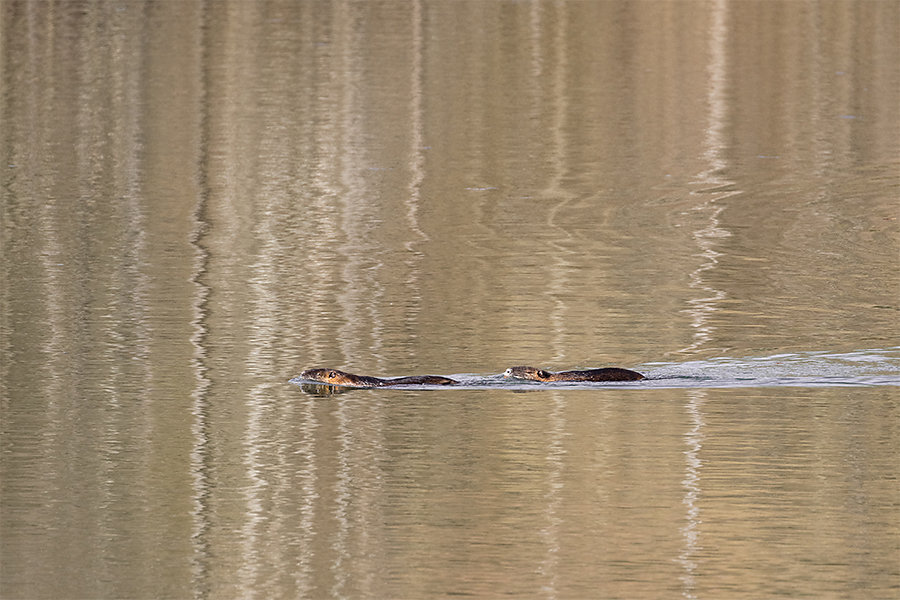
(335, 377)
(606, 374)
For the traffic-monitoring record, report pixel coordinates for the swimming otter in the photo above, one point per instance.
(335, 377)
(607, 374)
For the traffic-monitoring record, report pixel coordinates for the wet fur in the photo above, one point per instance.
(335, 377)
(605, 374)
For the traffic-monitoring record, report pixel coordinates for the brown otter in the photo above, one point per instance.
(335, 377)
(607, 374)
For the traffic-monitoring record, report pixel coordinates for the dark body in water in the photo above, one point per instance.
(606, 374)
(335, 377)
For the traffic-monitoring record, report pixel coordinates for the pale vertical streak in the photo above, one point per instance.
(51, 250)
(549, 533)
(691, 484)
(362, 291)
(244, 21)
(353, 269)
(50, 247)
(342, 563)
(416, 167)
(360, 303)
(304, 571)
(555, 189)
(263, 306)
(254, 446)
(701, 308)
(417, 143)
(710, 230)
(555, 465)
(200, 452)
(324, 195)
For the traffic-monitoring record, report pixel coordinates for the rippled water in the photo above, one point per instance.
(200, 200)
(807, 369)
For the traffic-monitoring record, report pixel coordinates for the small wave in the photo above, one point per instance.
(875, 367)
(814, 369)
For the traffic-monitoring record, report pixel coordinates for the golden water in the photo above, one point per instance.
(202, 199)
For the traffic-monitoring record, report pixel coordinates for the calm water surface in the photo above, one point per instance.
(202, 199)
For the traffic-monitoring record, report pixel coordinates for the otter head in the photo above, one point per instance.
(322, 375)
(532, 373)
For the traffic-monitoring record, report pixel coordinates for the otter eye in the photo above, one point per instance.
(543, 374)
(332, 374)
(507, 372)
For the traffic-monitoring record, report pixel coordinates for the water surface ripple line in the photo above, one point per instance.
(710, 230)
(872, 367)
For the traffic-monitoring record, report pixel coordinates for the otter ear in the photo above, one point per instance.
(543, 374)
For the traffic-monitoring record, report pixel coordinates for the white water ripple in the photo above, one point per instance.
(874, 367)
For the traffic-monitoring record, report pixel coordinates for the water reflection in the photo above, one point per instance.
(692, 491)
(340, 565)
(200, 199)
(359, 208)
(416, 163)
(555, 192)
(706, 238)
(715, 186)
(551, 533)
(304, 535)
